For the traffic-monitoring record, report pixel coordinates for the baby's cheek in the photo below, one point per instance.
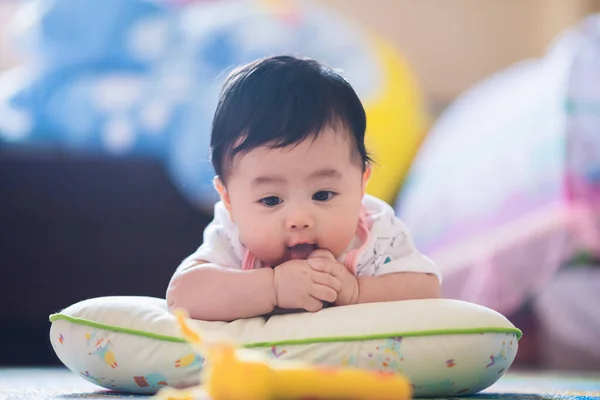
(341, 234)
(262, 242)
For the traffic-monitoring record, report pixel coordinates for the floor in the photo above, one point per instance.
(59, 383)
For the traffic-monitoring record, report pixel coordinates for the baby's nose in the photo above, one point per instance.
(299, 226)
(300, 220)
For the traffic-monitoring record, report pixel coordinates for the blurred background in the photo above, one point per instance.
(484, 118)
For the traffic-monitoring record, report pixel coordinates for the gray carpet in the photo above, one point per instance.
(57, 383)
(50, 383)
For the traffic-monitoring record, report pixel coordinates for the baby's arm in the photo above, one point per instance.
(210, 284)
(398, 286)
(401, 283)
(213, 293)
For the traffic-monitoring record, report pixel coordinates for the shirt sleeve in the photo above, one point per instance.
(394, 251)
(217, 246)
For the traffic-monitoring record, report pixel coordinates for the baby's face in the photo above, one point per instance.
(288, 202)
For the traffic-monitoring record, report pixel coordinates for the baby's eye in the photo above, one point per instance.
(271, 201)
(323, 195)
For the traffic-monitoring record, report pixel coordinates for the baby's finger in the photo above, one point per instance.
(322, 292)
(324, 265)
(312, 305)
(325, 279)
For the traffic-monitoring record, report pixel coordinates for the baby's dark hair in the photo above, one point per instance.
(279, 102)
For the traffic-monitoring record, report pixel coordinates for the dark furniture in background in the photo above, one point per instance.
(74, 227)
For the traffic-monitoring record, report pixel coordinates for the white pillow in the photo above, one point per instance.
(445, 347)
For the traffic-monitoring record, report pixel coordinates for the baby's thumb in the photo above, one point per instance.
(321, 253)
(317, 264)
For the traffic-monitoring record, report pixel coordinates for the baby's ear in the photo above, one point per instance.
(220, 187)
(366, 176)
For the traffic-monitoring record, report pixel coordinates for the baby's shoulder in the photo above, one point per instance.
(221, 227)
(380, 214)
(221, 244)
(221, 216)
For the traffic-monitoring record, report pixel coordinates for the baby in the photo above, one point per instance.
(294, 229)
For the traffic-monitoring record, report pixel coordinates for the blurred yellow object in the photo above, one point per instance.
(233, 373)
(396, 123)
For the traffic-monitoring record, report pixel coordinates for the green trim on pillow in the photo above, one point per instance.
(93, 324)
(462, 331)
(358, 338)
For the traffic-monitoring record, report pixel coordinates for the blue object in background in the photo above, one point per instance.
(61, 33)
(142, 77)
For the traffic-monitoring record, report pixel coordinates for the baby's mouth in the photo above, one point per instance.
(301, 251)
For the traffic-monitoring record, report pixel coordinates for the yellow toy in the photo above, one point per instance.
(397, 122)
(234, 373)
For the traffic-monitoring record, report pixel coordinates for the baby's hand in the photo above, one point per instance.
(322, 260)
(298, 286)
